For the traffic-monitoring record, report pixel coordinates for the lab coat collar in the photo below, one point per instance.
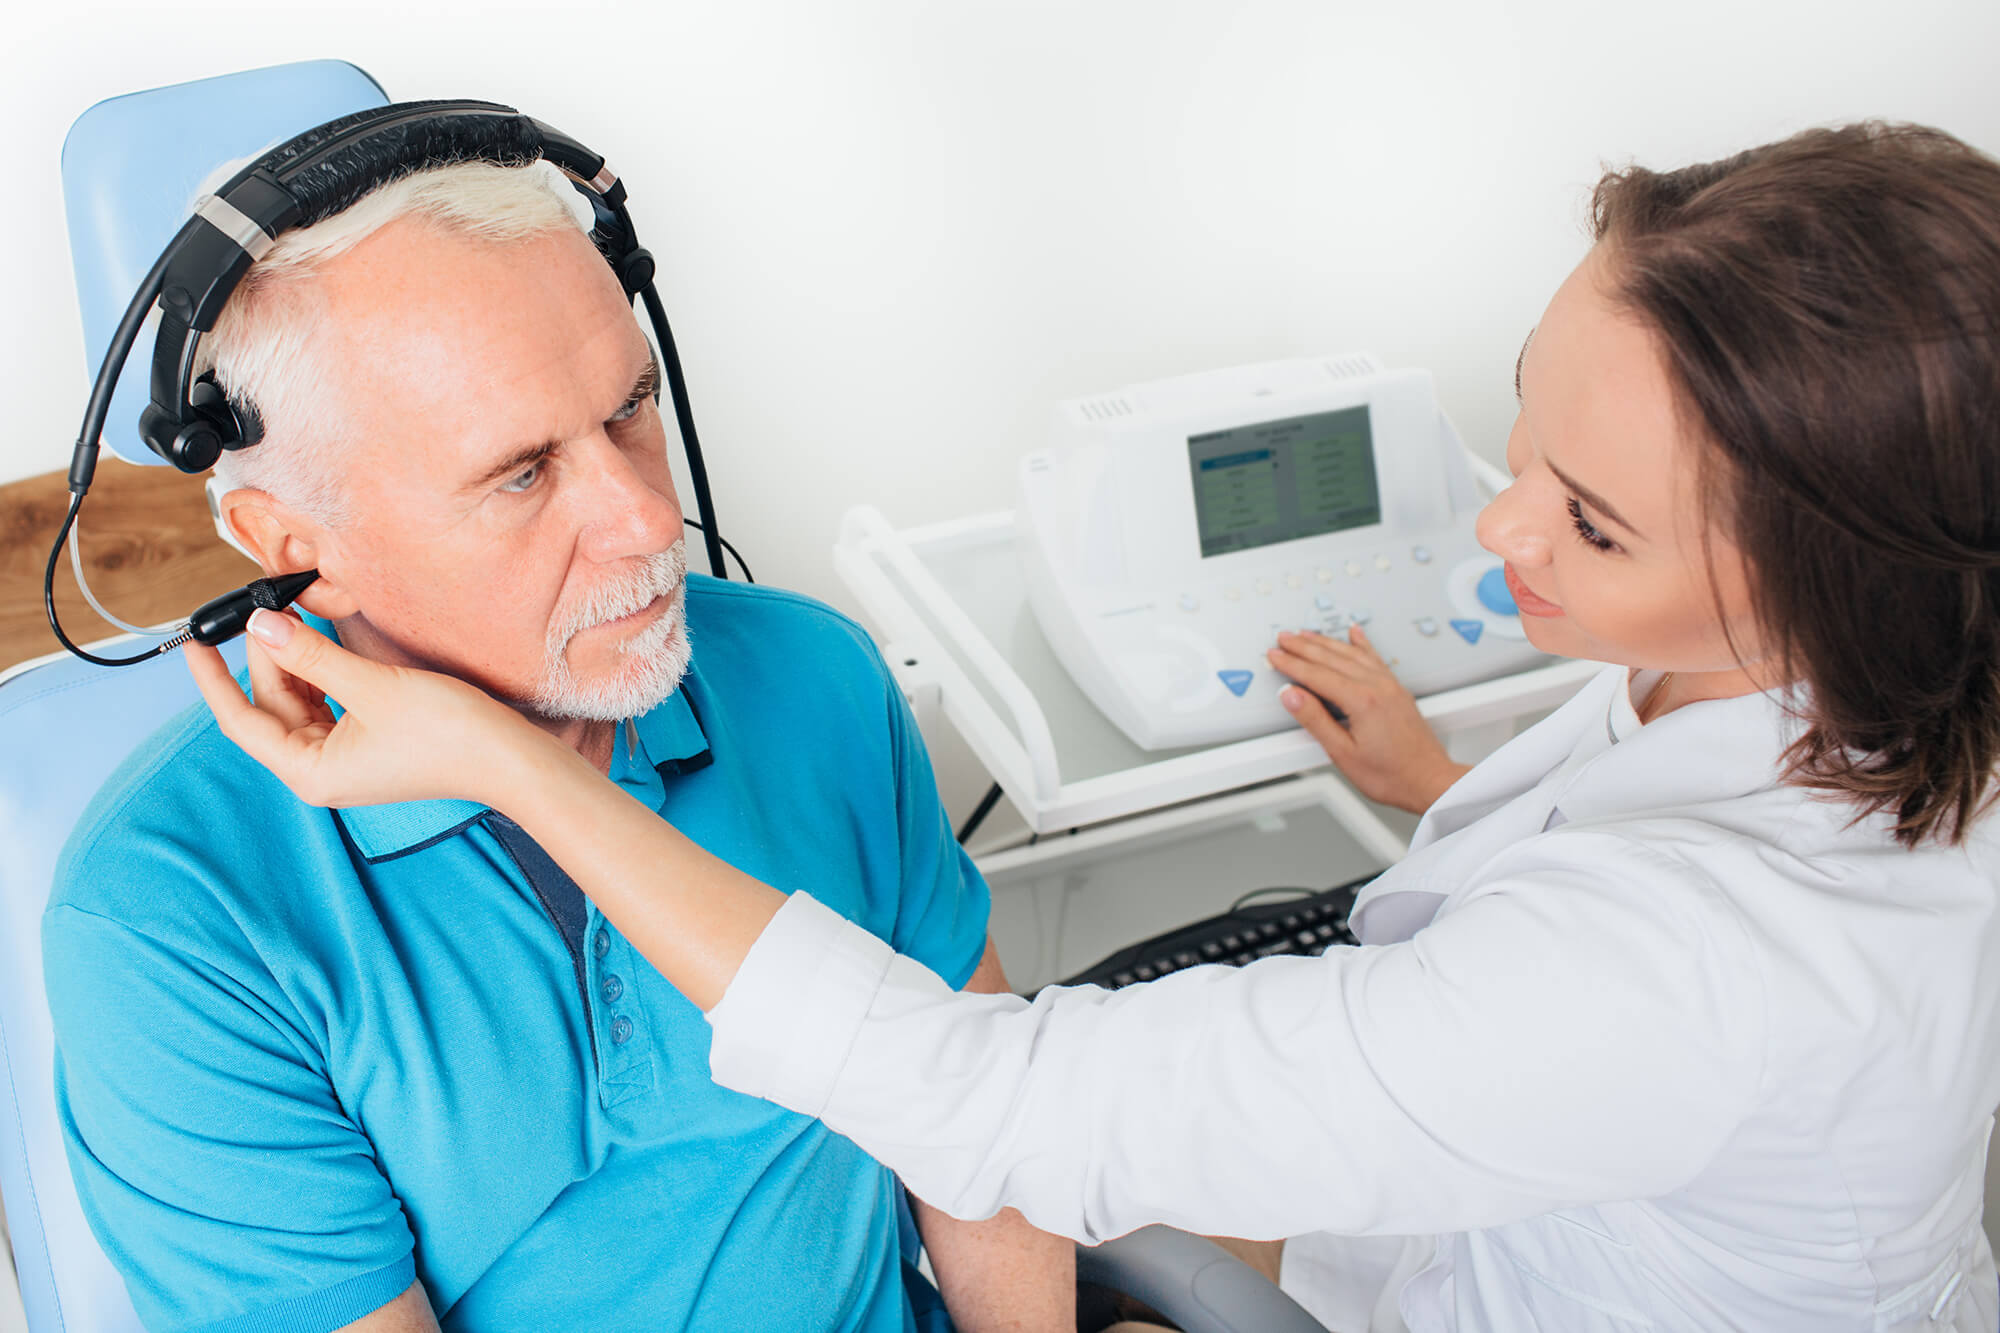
(1697, 756)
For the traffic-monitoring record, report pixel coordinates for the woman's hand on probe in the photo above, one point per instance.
(1385, 748)
(404, 735)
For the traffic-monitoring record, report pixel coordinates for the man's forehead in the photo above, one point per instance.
(444, 340)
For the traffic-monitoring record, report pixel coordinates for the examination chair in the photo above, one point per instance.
(131, 167)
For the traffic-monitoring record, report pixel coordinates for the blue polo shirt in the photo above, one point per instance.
(304, 1056)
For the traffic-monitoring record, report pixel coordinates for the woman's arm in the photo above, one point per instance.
(1561, 1039)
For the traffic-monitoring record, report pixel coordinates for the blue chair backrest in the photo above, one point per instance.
(64, 726)
(131, 166)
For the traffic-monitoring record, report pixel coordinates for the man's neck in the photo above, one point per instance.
(595, 741)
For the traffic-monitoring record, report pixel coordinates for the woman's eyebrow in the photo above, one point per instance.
(1519, 360)
(1595, 501)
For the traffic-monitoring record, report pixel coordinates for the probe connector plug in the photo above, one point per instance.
(221, 620)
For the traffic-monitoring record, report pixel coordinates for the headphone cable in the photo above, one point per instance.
(49, 603)
(83, 585)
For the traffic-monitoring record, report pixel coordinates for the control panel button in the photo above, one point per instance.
(1189, 602)
(1292, 581)
(1493, 594)
(1469, 630)
(1382, 563)
(1323, 602)
(1421, 554)
(1263, 587)
(1234, 594)
(1476, 589)
(1323, 574)
(1236, 679)
(1427, 627)
(1361, 617)
(1354, 569)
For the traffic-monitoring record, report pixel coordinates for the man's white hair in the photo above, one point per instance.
(265, 344)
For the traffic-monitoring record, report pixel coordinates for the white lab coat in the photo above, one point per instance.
(1638, 1037)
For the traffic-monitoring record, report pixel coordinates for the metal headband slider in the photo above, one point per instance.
(234, 223)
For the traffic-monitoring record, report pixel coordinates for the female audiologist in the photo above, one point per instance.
(1683, 1011)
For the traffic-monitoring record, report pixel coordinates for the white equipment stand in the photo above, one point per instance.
(952, 614)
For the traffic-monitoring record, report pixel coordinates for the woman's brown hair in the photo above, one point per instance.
(1829, 307)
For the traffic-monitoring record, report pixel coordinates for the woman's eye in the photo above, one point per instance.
(1586, 529)
(522, 480)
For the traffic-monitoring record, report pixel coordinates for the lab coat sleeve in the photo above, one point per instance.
(1581, 1029)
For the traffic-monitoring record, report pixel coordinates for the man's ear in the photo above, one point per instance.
(285, 541)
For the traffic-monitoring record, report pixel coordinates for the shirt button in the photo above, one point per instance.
(611, 989)
(601, 945)
(621, 1030)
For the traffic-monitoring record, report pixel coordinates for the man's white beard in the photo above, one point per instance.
(652, 663)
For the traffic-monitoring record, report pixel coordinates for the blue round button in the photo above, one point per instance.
(1493, 594)
(621, 1030)
(611, 988)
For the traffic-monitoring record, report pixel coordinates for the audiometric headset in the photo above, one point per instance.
(191, 421)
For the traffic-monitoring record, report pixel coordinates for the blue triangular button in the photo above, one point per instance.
(1236, 679)
(1469, 630)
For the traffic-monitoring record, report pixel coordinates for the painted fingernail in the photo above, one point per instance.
(272, 627)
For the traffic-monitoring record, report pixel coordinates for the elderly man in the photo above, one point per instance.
(385, 1067)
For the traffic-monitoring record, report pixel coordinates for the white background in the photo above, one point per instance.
(892, 234)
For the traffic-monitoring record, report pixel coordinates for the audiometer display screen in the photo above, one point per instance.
(1277, 481)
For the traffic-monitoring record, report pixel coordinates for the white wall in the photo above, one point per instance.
(893, 233)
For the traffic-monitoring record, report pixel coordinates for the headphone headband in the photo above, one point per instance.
(308, 179)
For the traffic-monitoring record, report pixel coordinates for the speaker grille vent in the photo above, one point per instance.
(1350, 367)
(1104, 409)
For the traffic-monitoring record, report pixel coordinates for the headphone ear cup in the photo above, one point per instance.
(235, 421)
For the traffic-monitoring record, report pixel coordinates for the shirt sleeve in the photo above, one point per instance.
(1579, 1032)
(211, 1156)
(942, 910)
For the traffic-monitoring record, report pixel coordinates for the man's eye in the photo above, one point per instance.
(630, 410)
(521, 480)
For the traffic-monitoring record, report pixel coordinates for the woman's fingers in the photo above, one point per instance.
(281, 694)
(261, 735)
(1334, 653)
(1312, 714)
(317, 661)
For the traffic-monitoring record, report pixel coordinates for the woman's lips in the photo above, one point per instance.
(1527, 603)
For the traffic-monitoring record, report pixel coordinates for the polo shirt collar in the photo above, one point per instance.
(670, 741)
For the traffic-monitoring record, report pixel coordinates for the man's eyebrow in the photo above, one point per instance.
(519, 461)
(1520, 359)
(646, 386)
(648, 383)
(1594, 500)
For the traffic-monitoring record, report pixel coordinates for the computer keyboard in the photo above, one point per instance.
(1306, 923)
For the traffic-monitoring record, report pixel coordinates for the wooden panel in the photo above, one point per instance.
(149, 549)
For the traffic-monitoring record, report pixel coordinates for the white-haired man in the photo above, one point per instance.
(385, 1067)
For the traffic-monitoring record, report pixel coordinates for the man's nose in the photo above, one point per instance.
(626, 511)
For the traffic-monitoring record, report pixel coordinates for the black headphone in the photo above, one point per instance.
(191, 421)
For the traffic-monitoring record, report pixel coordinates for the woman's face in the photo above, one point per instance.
(1602, 529)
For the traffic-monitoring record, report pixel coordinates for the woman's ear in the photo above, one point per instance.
(284, 542)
